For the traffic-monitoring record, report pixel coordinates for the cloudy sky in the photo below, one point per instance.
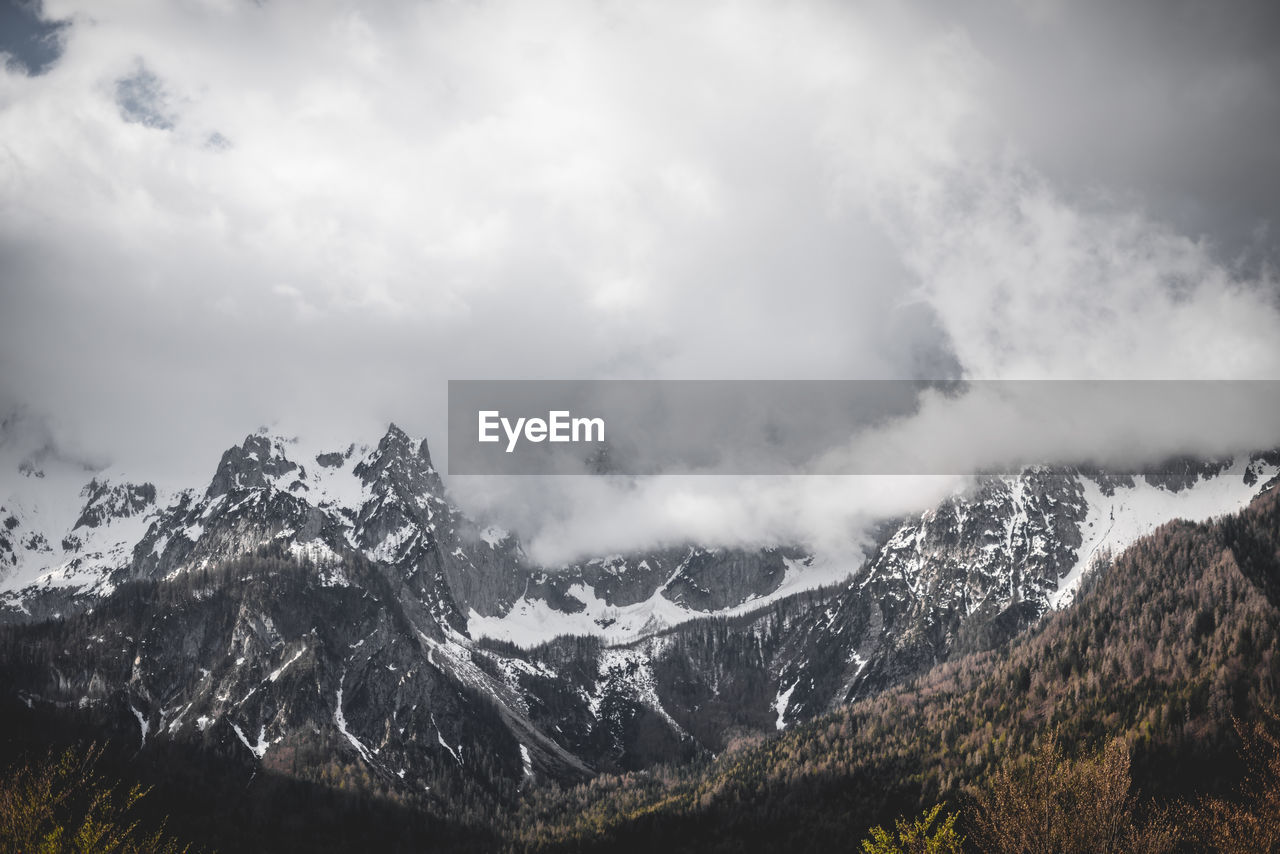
(219, 214)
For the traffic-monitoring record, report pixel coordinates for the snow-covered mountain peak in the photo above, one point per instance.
(105, 501)
(260, 461)
(401, 462)
(1022, 539)
(381, 638)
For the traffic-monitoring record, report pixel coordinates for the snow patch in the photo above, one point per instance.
(341, 720)
(781, 702)
(1114, 522)
(440, 738)
(525, 762)
(494, 536)
(275, 674)
(142, 724)
(531, 622)
(258, 749)
(629, 672)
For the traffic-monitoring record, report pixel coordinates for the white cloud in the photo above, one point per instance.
(353, 205)
(1030, 287)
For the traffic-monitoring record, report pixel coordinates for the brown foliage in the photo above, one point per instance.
(1056, 805)
(1250, 823)
(63, 803)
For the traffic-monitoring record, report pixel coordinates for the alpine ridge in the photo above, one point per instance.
(326, 613)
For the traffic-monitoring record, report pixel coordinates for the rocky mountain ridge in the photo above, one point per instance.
(307, 609)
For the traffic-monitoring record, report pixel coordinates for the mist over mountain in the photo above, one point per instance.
(330, 617)
(246, 247)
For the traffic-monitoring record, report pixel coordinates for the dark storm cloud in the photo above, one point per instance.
(142, 100)
(1167, 105)
(32, 42)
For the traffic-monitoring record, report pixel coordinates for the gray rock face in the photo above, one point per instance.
(260, 659)
(619, 580)
(9, 541)
(964, 576)
(714, 580)
(106, 501)
(249, 466)
(1182, 473)
(333, 459)
(484, 578)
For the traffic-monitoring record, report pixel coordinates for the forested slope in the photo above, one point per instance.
(1164, 646)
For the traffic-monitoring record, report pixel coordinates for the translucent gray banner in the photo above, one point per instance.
(880, 427)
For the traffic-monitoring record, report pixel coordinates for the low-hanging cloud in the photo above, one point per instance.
(340, 209)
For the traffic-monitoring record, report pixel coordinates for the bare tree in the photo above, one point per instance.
(1056, 805)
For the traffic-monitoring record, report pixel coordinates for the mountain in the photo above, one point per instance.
(385, 502)
(328, 616)
(1165, 649)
